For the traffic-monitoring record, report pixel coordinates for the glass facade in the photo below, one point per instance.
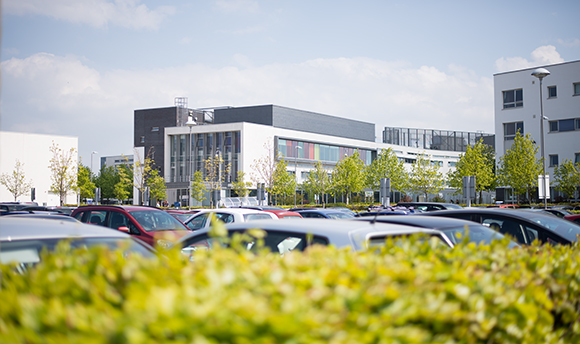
(319, 152)
(456, 141)
(189, 152)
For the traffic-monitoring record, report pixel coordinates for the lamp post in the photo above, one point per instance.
(219, 177)
(295, 171)
(190, 123)
(93, 152)
(541, 73)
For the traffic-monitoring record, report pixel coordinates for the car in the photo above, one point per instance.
(285, 236)
(44, 216)
(512, 206)
(449, 226)
(22, 239)
(523, 225)
(150, 224)
(227, 215)
(182, 214)
(429, 206)
(573, 217)
(324, 213)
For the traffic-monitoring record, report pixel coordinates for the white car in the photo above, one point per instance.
(227, 215)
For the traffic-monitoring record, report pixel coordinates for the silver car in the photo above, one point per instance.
(285, 236)
(22, 239)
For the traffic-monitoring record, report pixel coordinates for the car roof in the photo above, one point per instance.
(423, 221)
(231, 211)
(342, 233)
(25, 228)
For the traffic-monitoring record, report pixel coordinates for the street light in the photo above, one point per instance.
(541, 73)
(295, 171)
(93, 152)
(219, 177)
(190, 123)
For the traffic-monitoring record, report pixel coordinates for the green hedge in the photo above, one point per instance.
(407, 293)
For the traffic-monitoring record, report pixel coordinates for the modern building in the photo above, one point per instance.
(33, 153)
(517, 107)
(242, 135)
(431, 139)
(116, 160)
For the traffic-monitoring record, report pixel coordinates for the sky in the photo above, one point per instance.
(81, 67)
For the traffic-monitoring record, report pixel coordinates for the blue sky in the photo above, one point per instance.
(81, 67)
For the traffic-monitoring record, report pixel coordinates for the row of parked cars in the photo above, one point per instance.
(23, 235)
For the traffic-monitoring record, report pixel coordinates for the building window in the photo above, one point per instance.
(552, 93)
(510, 130)
(513, 99)
(577, 89)
(577, 158)
(155, 129)
(553, 160)
(142, 139)
(563, 125)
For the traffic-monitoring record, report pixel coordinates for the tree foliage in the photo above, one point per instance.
(106, 181)
(16, 182)
(240, 185)
(284, 182)
(567, 177)
(63, 171)
(425, 177)
(264, 168)
(123, 189)
(348, 176)
(198, 188)
(387, 165)
(156, 184)
(318, 182)
(85, 185)
(519, 167)
(216, 172)
(478, 161)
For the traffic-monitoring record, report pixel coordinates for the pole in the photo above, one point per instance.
(542, 148)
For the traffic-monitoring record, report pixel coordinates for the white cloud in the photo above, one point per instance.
(55, 94)
(572, 42)
(97, 13)
(543, 55)
(248, 6)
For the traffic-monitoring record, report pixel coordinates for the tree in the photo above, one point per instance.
(141, 170)
(198, 188)
(240, 186)
(264, 167)
(215, 172)
(348, 175)
(519, 167)
(567, 177)
(16, 182)
(283, 182)
(425, 177)
(106, 180)
(123, 189)
(318, 181)
(156, 184)
(387, 165)
(85, 185)
(477, 161)
(63, 169)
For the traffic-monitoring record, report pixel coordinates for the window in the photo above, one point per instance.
(552, 93)
(142, 139)
(577, 89)
(553, 160)
(510, 130)
(562, 125)
(513, 99)
(155, 129)
(577, 158)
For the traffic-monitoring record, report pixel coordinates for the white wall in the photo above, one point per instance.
(33, 150)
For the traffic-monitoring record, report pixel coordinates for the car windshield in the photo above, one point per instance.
(155, 220)
(477, 234)
(567, 229)
(340, 215)
(254, 217)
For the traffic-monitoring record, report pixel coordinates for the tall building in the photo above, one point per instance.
(517, 108)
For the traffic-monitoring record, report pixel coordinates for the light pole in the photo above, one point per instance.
(93, 152)
(295, 171)
(190, 123)
(541, 73)
(219, 177)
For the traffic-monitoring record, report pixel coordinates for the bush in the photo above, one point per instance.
(410, 293)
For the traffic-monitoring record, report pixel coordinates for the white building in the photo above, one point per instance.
(517, 107)
(33, 151)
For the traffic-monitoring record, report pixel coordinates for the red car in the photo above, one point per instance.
(574, 218)
(152, 225)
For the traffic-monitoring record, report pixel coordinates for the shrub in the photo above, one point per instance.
(405, 293)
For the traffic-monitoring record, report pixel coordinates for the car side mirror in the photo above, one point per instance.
(124, 229)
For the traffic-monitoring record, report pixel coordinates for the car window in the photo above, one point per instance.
(253, 217)
(398, 240)
(156, 220)
(340, 215)
(97, 217)
(79, 215)
(117, 220)
(562, 227)
(198, 222)
(225, 218)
